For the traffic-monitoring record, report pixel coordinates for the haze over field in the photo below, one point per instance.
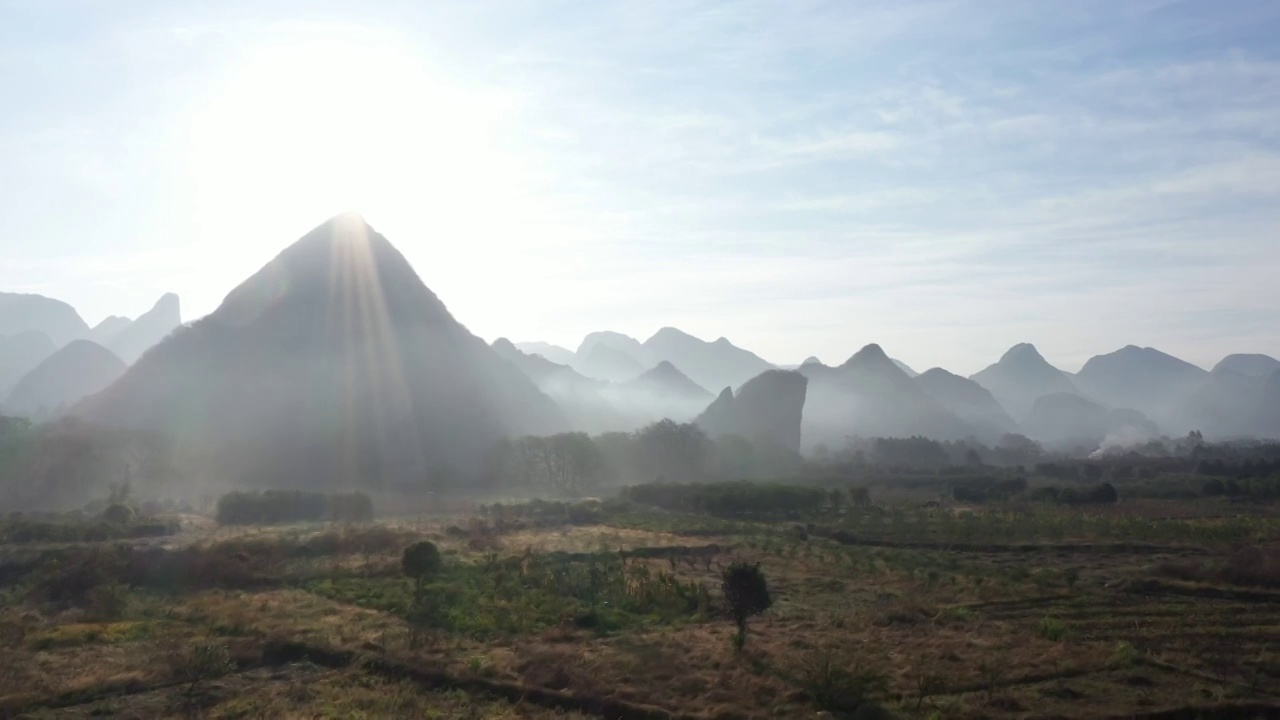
(944, 179)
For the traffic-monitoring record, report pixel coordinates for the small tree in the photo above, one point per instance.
(422, 562)
(200, 662)
(747, 593)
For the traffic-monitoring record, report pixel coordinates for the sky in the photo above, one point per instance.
(945, 178)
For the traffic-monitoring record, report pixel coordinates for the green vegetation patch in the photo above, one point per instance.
(500, 597)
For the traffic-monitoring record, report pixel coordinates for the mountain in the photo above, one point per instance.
(111, 325)
(768, 407)
(1224, 406)
(906, 368)
(870, 396)
(1259, 366)
(969, 401)
(710, 364)
(665, 380)
(1020, 377)
(1141, 378)
(554, 353)
(1068, 420)
(333, 366)
(79, 369)
(581, 398)
(20, 313)
(624, 344)
(150, 328)
(19, 355)
(1266, 419)
(603, 361)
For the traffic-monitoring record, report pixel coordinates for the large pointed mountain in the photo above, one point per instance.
(1144, 379)
(20, 313)
(1021, 377)
(870, 396)
(150, 328)
(768, 408)
(970, 402)
(78, 369)
(19, 355)
(332, 366)
(710, 364)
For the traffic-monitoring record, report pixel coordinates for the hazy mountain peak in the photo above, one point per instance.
(78, 369)
(21, 312)
(1021, 353)
(768, 408)
(669, 332)
(871, 354)
(1021, 376)
(666, 380)
(504, 345)
(603, 361)
(615, 340)
(135, 338)
(1142, 378)
(709, 364)
(811, 360)
(970, 401)
(1249, 364)
(332, 366)
(168, 302)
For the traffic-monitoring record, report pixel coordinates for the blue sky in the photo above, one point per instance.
(943, 178)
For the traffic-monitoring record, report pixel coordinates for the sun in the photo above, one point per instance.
(340, 120)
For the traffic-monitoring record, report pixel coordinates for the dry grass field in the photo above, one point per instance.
(1156, 609)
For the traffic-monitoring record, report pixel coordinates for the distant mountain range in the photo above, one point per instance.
(33, 328)
(77, 370)
(335, 364)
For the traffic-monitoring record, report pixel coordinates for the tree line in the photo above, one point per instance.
(574, 464)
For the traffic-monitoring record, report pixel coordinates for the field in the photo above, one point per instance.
(890, 608)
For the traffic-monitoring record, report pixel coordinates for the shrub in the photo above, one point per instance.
(1051, 628)
(119, 513)
(839, 684)
(747, 593)
(271, 507)
(1124, 655)
(732, 499)
(200, 662)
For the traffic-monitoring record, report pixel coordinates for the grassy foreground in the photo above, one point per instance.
(1146, 608)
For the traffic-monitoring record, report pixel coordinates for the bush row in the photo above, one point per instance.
(731, 499)
(273, 507)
